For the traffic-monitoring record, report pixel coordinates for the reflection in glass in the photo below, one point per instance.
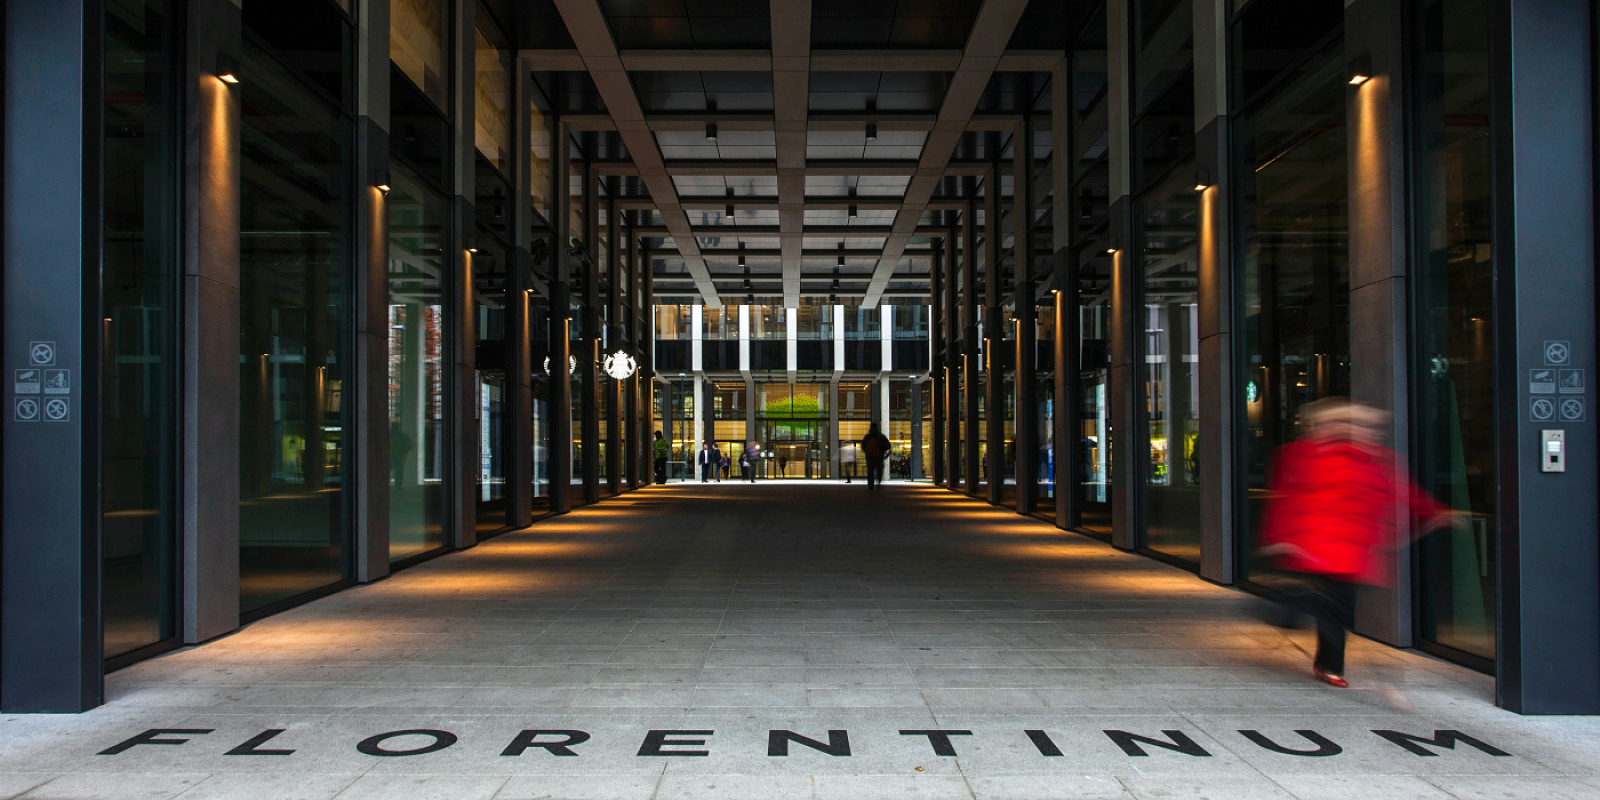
(1044, 468)
(1455, 408)
(489, 270)
(1093, 428)
(294, 329)
(417, 30)
(492, 96)
(1168, 228)
(1294, 240)
(138, 414)
(417, 451)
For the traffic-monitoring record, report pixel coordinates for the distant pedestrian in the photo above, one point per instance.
(783, 464)
(874, 448)
(709, 459)
(847, 461)
(663, 449)
(724, 466)
(750, 460)
(1330, 522)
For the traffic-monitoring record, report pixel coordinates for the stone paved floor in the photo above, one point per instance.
(736, 611)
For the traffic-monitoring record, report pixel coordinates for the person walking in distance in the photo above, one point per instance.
(874, 448)
(750, 460)
(662, 449)
(847, 461)
(710, 460)
(1331, 522)
(724, 467)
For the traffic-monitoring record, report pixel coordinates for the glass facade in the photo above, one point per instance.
(295, 214)
(1168, 229)
(1456, 459)
(1293, 240)
(139, 414)
(366, 286)
(418, 439)
(418, 36)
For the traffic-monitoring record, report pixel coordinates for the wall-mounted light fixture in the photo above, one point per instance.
(852, 207)
(728, 212)
(841, 254)
(1202, 180)
(741, 254)
(470, 242)
(1360, 70)
(227, 68)
(1114, 246)
(381, 181)
(872, 131)
(711, 131)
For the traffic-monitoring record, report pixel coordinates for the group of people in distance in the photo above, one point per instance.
(713, 464)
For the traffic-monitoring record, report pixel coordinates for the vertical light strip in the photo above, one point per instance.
(838, 338)
(887, 333)
(744, 338)
(791, 319)
(695, 318)
(699, 434)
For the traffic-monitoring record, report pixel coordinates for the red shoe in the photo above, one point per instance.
(1330, 678)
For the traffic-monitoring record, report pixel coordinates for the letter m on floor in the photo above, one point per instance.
(1441, 739)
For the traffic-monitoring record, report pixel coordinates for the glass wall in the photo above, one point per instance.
(1454, 328)
(539, 350)
(138, 415)
(490, 273)
(491, 93)
(418, 449)
(417, 45)
(1044, 411)
(1089, 302)
(1167, 233)
(1293, 243)
(294, 262)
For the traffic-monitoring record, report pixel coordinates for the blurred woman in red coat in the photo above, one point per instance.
(1337, 506)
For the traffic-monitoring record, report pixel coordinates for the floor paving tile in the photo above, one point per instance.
(582, 658)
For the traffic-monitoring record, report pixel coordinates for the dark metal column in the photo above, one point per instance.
(50, 641)
(1068, 445)
(210, 338)
(1549, 615)
(589, 345)
(560, 422)
(939, 367)
(1219, 401)
(1027, 443)
(970, 351)
(612, 343)
(994, 339)
(955, 367)
(370, 378)
(647, 365)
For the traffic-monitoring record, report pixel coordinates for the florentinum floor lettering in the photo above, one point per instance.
(789, 641)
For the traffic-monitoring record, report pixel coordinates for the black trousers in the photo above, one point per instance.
(1330, 602)
(661, 470)
(874, 472)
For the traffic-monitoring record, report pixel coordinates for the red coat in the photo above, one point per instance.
(1337, 502)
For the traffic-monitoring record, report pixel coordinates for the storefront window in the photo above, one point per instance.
(138, 416)
(1044, 458)
(417, 36)
(294, 265)
(490, 270)
(1293, 241)
(492, 95)
(1168, 229)
(417, 454)
(1456, 358)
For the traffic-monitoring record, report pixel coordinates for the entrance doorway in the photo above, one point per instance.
(795, 448)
